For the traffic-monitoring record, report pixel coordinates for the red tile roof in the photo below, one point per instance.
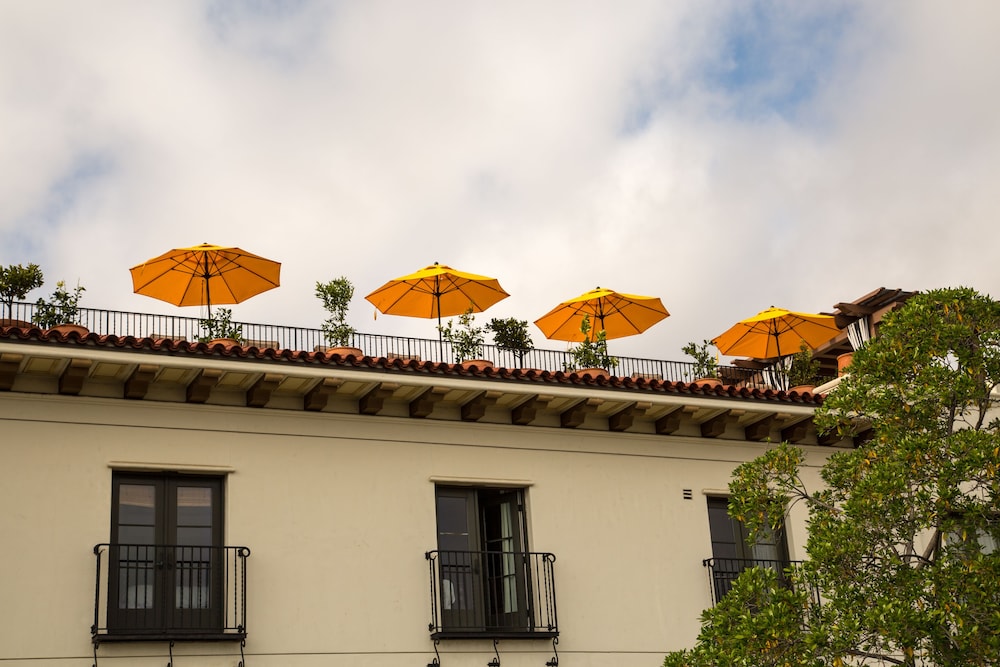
(399, 365)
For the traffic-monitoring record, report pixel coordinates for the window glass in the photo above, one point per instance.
(194, 506)
(137, 504)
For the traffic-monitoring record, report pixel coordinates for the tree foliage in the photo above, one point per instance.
(221, 325)
(511, 334)
(63, 307)
(16, 281)
(592, 351)
(705, 363)
(901, 546)
(466, 338)
(336, 296)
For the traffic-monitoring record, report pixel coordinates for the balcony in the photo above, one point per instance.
(141, 325)
(160, 592)
(492, 595)
(722, 572)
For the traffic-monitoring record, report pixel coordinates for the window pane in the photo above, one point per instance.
(719, 522)
(194, 506)
(135, 588)
(453, 542)
(136, 535)
(137, 504)
(193, 567)
(135, 577)
(201, 537)
(452, 516)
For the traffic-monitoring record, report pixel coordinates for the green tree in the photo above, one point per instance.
(15, 283)
(63, 307)
(804, 369)
(592, 352)
(903, 533)
(466, 339)
(512, 334)
(705, 364)
(336, 296)
(221, 325)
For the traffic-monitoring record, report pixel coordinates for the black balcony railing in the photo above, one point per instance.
(166, 591)
(492, 594)
(141, 325)
(722, 572)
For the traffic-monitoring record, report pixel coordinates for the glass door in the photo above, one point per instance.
(506, 560)
(460, 560)
(166, 554)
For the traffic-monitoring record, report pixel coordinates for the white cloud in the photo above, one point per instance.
(556, 146)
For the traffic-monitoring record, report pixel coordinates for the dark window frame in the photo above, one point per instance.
(485, 582)
(732, 551)
(163, 588)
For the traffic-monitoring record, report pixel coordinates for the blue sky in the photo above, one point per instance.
(723, 156)
(772, 59)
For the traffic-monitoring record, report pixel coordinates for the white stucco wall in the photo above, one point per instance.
(338, 511)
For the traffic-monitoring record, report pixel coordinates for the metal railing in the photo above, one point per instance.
(722, 572)
(492, 594)
(140, 325)
(169, 591)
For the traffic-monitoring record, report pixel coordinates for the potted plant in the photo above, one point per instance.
(466, 340)
(15, 283)
(803, 369)
(220, 328)
(61, 312)
(336, 296)
(591, 355)
(705, 366)
(511, 334)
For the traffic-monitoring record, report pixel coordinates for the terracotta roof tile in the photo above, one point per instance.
(397, 364)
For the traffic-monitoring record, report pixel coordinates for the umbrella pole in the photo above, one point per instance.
(440, 336)
(437, 299)
(208, 289)
(781, 365)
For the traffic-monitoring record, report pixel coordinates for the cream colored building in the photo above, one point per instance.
(359, 512)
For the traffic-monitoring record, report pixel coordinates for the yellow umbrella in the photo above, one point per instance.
(437, 291)
(617, 314)
(205, 274)
(767, 333)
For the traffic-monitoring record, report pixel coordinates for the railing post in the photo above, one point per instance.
(431, 556)
(97, 594)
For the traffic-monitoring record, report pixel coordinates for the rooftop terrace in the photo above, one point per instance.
(150, 325)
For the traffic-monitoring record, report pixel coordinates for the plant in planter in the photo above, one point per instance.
(336, 296)
(804, 369)
(512, 334)
(592, 352)
(62, 308)
(15, 283)
(221, 326)
(705, 365)
(466, 339)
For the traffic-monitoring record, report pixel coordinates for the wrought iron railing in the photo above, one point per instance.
(122, 323)
(492, 594)
(722, 572)
(169, 591)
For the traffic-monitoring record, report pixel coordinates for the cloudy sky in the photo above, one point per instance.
(725, 156)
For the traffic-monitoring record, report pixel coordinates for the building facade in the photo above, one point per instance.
(192, 504)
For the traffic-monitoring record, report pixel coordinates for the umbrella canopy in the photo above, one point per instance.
(205, 274)
(775, 332)
(617, 314)
(437, 291)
